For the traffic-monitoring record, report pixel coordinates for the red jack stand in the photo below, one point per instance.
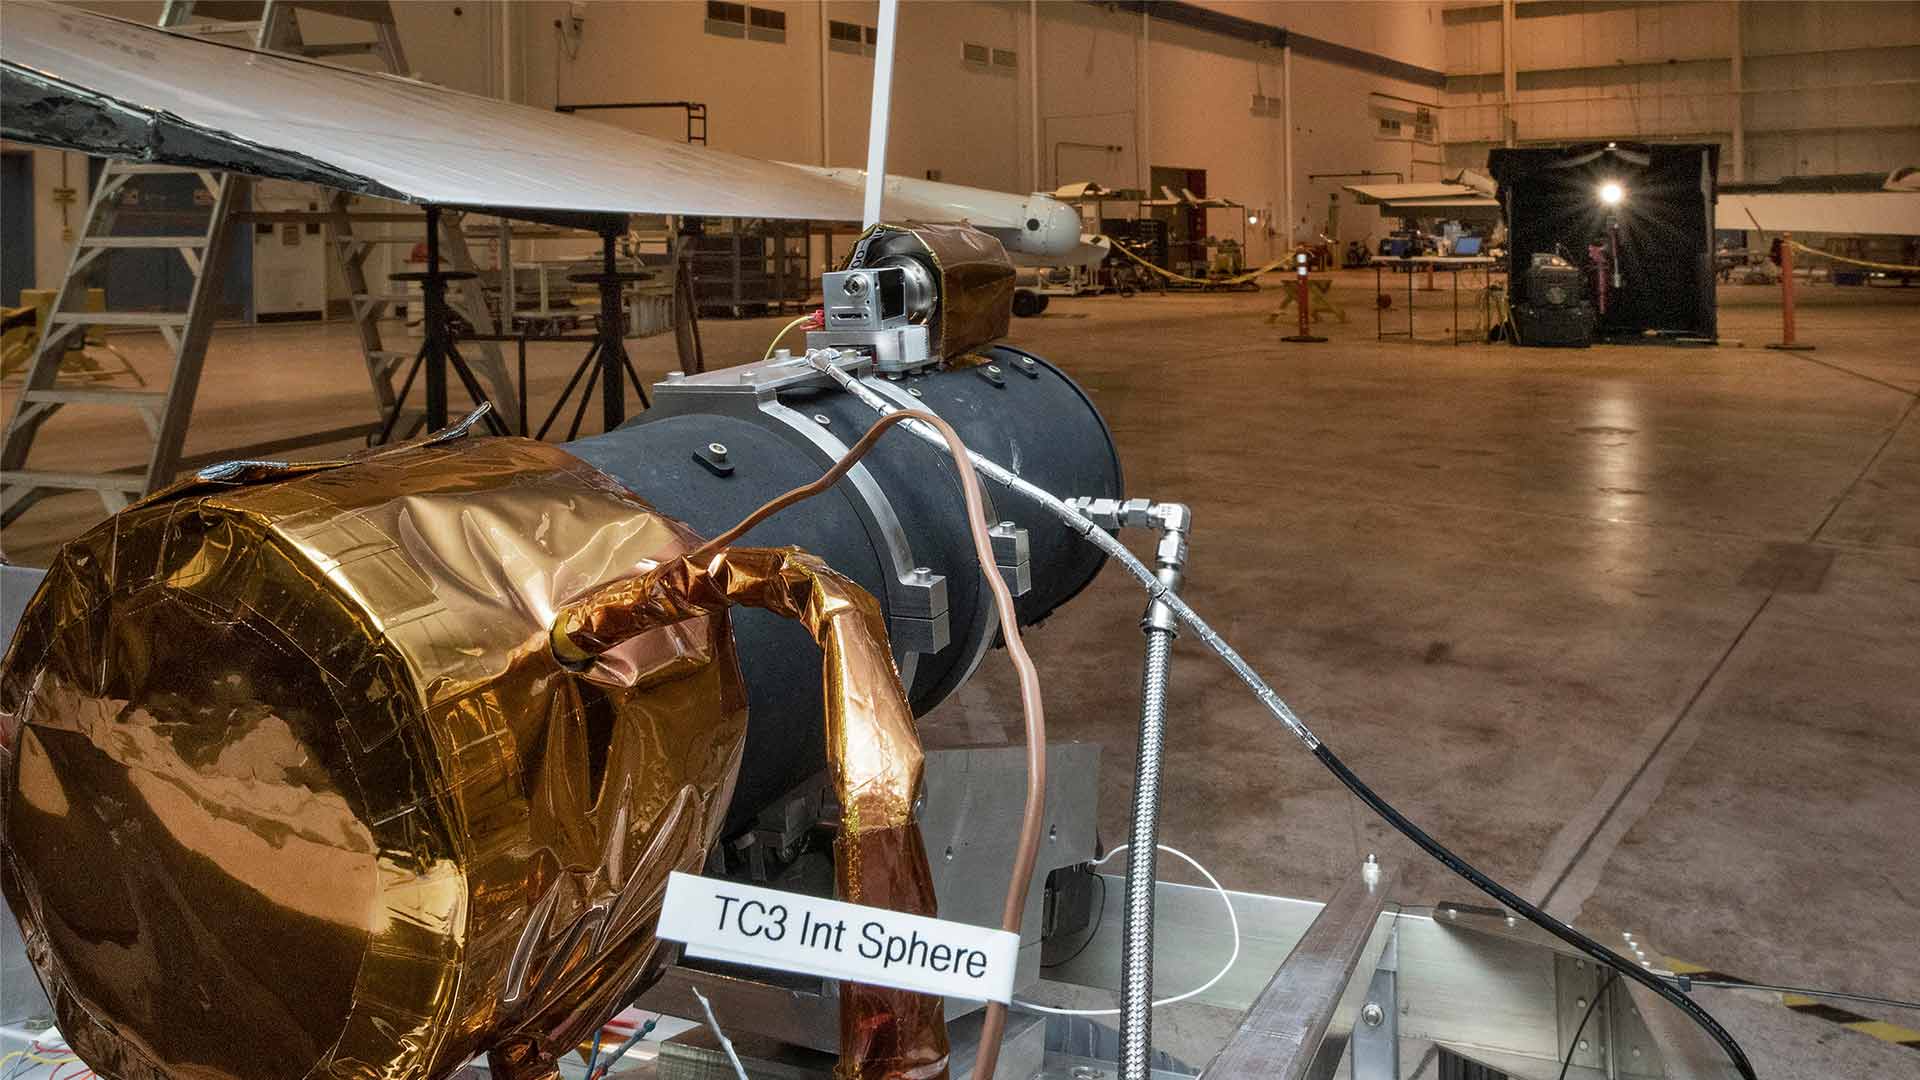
(1302, 302)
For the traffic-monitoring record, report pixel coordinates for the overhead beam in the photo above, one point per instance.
(1196, 17)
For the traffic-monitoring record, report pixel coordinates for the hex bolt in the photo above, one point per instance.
(1373, 1014)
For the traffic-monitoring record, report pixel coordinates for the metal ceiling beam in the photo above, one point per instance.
(1196, 17)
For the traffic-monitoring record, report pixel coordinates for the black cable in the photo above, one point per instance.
(1687, 981)
(1567, 1062)
(1514, 902)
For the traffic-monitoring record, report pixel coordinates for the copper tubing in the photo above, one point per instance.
(1029, 677)
(1011, 913)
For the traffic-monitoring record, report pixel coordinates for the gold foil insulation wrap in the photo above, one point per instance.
(295, 787)
(873, 756)
(976, 279)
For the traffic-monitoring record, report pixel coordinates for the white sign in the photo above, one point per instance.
(745, 924)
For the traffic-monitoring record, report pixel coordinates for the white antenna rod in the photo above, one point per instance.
(882, 106)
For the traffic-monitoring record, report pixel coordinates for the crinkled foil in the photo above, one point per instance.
(294, 786)
(873, 756)
(976, 279)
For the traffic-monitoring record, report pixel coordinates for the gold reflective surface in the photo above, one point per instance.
(295, 787)
(873, 755)
(976, 279)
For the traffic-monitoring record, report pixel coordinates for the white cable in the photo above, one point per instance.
(1232, 959)
(713, 1023)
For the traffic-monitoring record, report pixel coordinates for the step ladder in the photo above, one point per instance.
(165, 413)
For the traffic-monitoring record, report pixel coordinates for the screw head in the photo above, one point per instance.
(1372, 1015)
(1583, 1044)
(995, 368)
(717, 449)
(854, 286)
(914, 390)
(821, 419)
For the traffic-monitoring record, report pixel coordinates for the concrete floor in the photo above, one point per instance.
(1635, 628)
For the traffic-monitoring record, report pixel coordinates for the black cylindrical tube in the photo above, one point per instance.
(712, 469)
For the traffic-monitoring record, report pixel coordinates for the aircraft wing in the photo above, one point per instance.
(1446, 199)
(1421, 195)
(106, 86)
(1864, 213)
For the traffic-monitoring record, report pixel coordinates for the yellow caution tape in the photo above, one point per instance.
(1848, 259)
(1239, 279)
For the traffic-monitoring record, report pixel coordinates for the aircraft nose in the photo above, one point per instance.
(1052, 227)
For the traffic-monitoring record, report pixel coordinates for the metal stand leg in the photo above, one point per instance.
(1379, 313)
(607, 357)
(438, 352)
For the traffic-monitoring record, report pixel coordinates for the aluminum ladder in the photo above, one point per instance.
(166, 413)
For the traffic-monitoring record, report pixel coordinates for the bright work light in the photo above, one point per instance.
(1612, 193)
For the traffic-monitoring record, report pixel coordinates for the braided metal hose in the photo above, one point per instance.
(1143, 837)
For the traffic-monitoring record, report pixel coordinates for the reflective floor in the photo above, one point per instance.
(1636, 628)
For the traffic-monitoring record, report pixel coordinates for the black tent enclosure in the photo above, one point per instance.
(1636, 221)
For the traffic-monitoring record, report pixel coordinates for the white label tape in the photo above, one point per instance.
(745, 924)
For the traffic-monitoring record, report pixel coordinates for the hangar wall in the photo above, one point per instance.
(1210, 101)
(1213, 102)
(1811, 87)
(1822, 87)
